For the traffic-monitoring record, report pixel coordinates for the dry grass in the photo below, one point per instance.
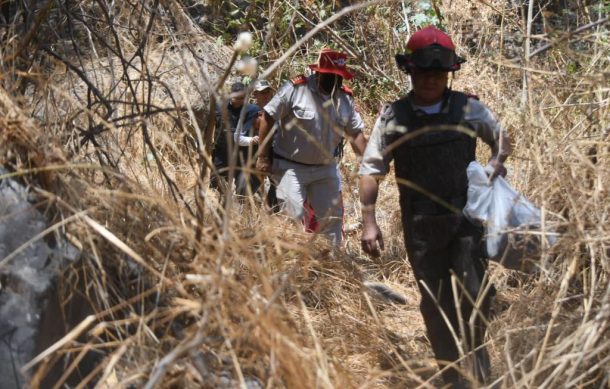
(188, 296)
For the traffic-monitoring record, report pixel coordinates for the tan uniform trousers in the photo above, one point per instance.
(319, 185)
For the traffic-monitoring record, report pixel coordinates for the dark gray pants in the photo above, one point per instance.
(246, 182)
(438, 246)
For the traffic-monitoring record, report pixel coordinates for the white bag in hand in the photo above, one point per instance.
(508, 218)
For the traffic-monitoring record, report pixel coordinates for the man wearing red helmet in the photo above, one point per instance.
(431, 136)
(313, 115)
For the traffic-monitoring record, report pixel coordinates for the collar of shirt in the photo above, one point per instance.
(441, 106)
(429, 109)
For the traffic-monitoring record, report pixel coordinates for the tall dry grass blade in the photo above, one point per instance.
(69, 337)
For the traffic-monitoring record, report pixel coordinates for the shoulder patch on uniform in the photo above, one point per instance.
(347, 90)
(298, 80)
(472, 96)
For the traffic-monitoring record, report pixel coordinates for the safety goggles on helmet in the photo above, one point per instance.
(433, 57)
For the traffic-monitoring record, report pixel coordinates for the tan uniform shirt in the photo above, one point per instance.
(310, 124)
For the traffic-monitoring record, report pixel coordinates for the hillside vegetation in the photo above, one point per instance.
(104, 117)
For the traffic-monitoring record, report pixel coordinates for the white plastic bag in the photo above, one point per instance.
(512, 223)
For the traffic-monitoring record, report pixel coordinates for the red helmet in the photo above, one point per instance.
(430, 49)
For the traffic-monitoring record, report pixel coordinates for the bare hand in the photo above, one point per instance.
(498, 168)
(263, 165)
(254, 140)
(371, 239)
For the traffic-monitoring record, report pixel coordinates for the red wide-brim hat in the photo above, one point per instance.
(333, 62)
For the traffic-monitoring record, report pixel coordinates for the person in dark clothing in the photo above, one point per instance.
(245, 183)
(431, 136)
(263, 93)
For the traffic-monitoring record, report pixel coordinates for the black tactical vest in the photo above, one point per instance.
(431, 158)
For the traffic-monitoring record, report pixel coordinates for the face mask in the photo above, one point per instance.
(329, 82)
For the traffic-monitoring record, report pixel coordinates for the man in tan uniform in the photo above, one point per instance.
(312, 114)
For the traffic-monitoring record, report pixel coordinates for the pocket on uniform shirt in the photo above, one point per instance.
(304, 118)
(303, 114)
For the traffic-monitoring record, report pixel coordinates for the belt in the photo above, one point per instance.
(277, 156)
